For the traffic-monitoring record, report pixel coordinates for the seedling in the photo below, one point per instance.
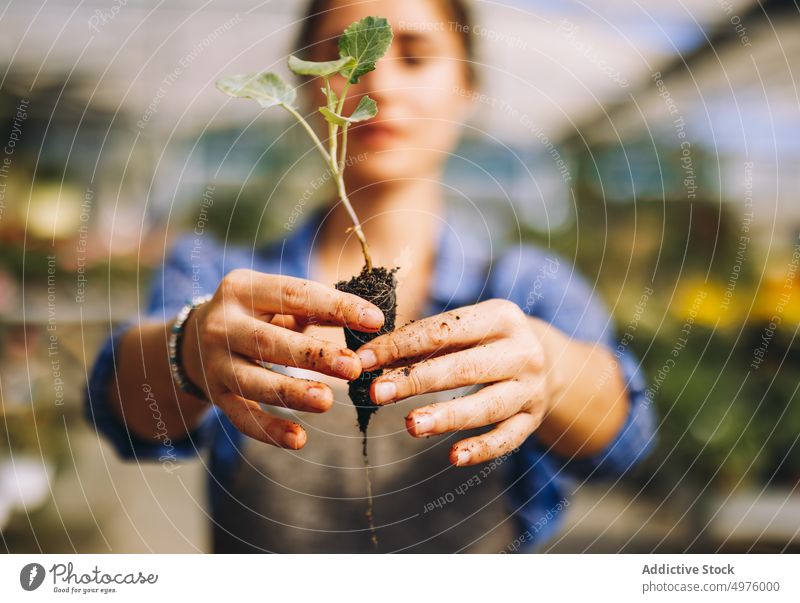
(361, 45)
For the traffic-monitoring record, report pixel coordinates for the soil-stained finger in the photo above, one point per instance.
(483, 364)
(506, 437)
(267, 343)
(254, 382)
(287, 321)
(281, 294)
(436, 335)
(248, 417)
(489, 405)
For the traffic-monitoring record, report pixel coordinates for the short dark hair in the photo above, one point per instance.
(458, 11)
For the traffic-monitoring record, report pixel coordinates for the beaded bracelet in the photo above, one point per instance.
(175, 344)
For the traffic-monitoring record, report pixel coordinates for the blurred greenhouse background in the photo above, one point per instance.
(656, 144)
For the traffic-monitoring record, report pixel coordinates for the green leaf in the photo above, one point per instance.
(366, 41)
(323, 69)
(268, 89)
(366, 109)
(332, 117)
(332, 99)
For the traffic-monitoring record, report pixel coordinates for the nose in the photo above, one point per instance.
(378, 83)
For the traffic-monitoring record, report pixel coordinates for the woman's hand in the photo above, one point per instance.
(493, 343)
(256, 317)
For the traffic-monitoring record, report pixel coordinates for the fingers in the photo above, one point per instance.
(506, 437)
(254, 382)
(452, 330)
(286, 321)
(266, 342)
(483, 364)
(490, 405)
(280, 294)
(248, 418)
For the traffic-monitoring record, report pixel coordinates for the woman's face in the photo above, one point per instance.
(419, 86)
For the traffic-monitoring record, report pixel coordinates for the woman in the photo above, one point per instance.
(556, 403)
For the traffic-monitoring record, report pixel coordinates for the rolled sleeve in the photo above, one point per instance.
(127, 445)
(547, 286)
(172, 284)
(635, 440)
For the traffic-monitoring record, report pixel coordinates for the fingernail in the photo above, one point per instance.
(292, 439)
(345, 366)
(385, 391)
(372, 318)
(463, 457)
(368, 359)
(318, 395)
(423, 423)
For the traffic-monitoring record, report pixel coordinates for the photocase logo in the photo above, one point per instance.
(31, 576)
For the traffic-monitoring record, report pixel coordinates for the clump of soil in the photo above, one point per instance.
(377, 286)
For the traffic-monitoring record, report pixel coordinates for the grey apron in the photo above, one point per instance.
(314, 500)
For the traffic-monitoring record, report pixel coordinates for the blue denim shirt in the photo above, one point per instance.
(543, 284)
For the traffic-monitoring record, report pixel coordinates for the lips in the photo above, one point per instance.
(377, 133)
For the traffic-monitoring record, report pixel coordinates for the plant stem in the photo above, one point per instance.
(333, 138)
(339, 172)
(340, 107)
(356, 224)
(343, 156)
(332, 128)
(309, 130)
(335, 159)
(328, 93)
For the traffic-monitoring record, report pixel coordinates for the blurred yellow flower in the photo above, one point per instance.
(779, 298)
(706, 303)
